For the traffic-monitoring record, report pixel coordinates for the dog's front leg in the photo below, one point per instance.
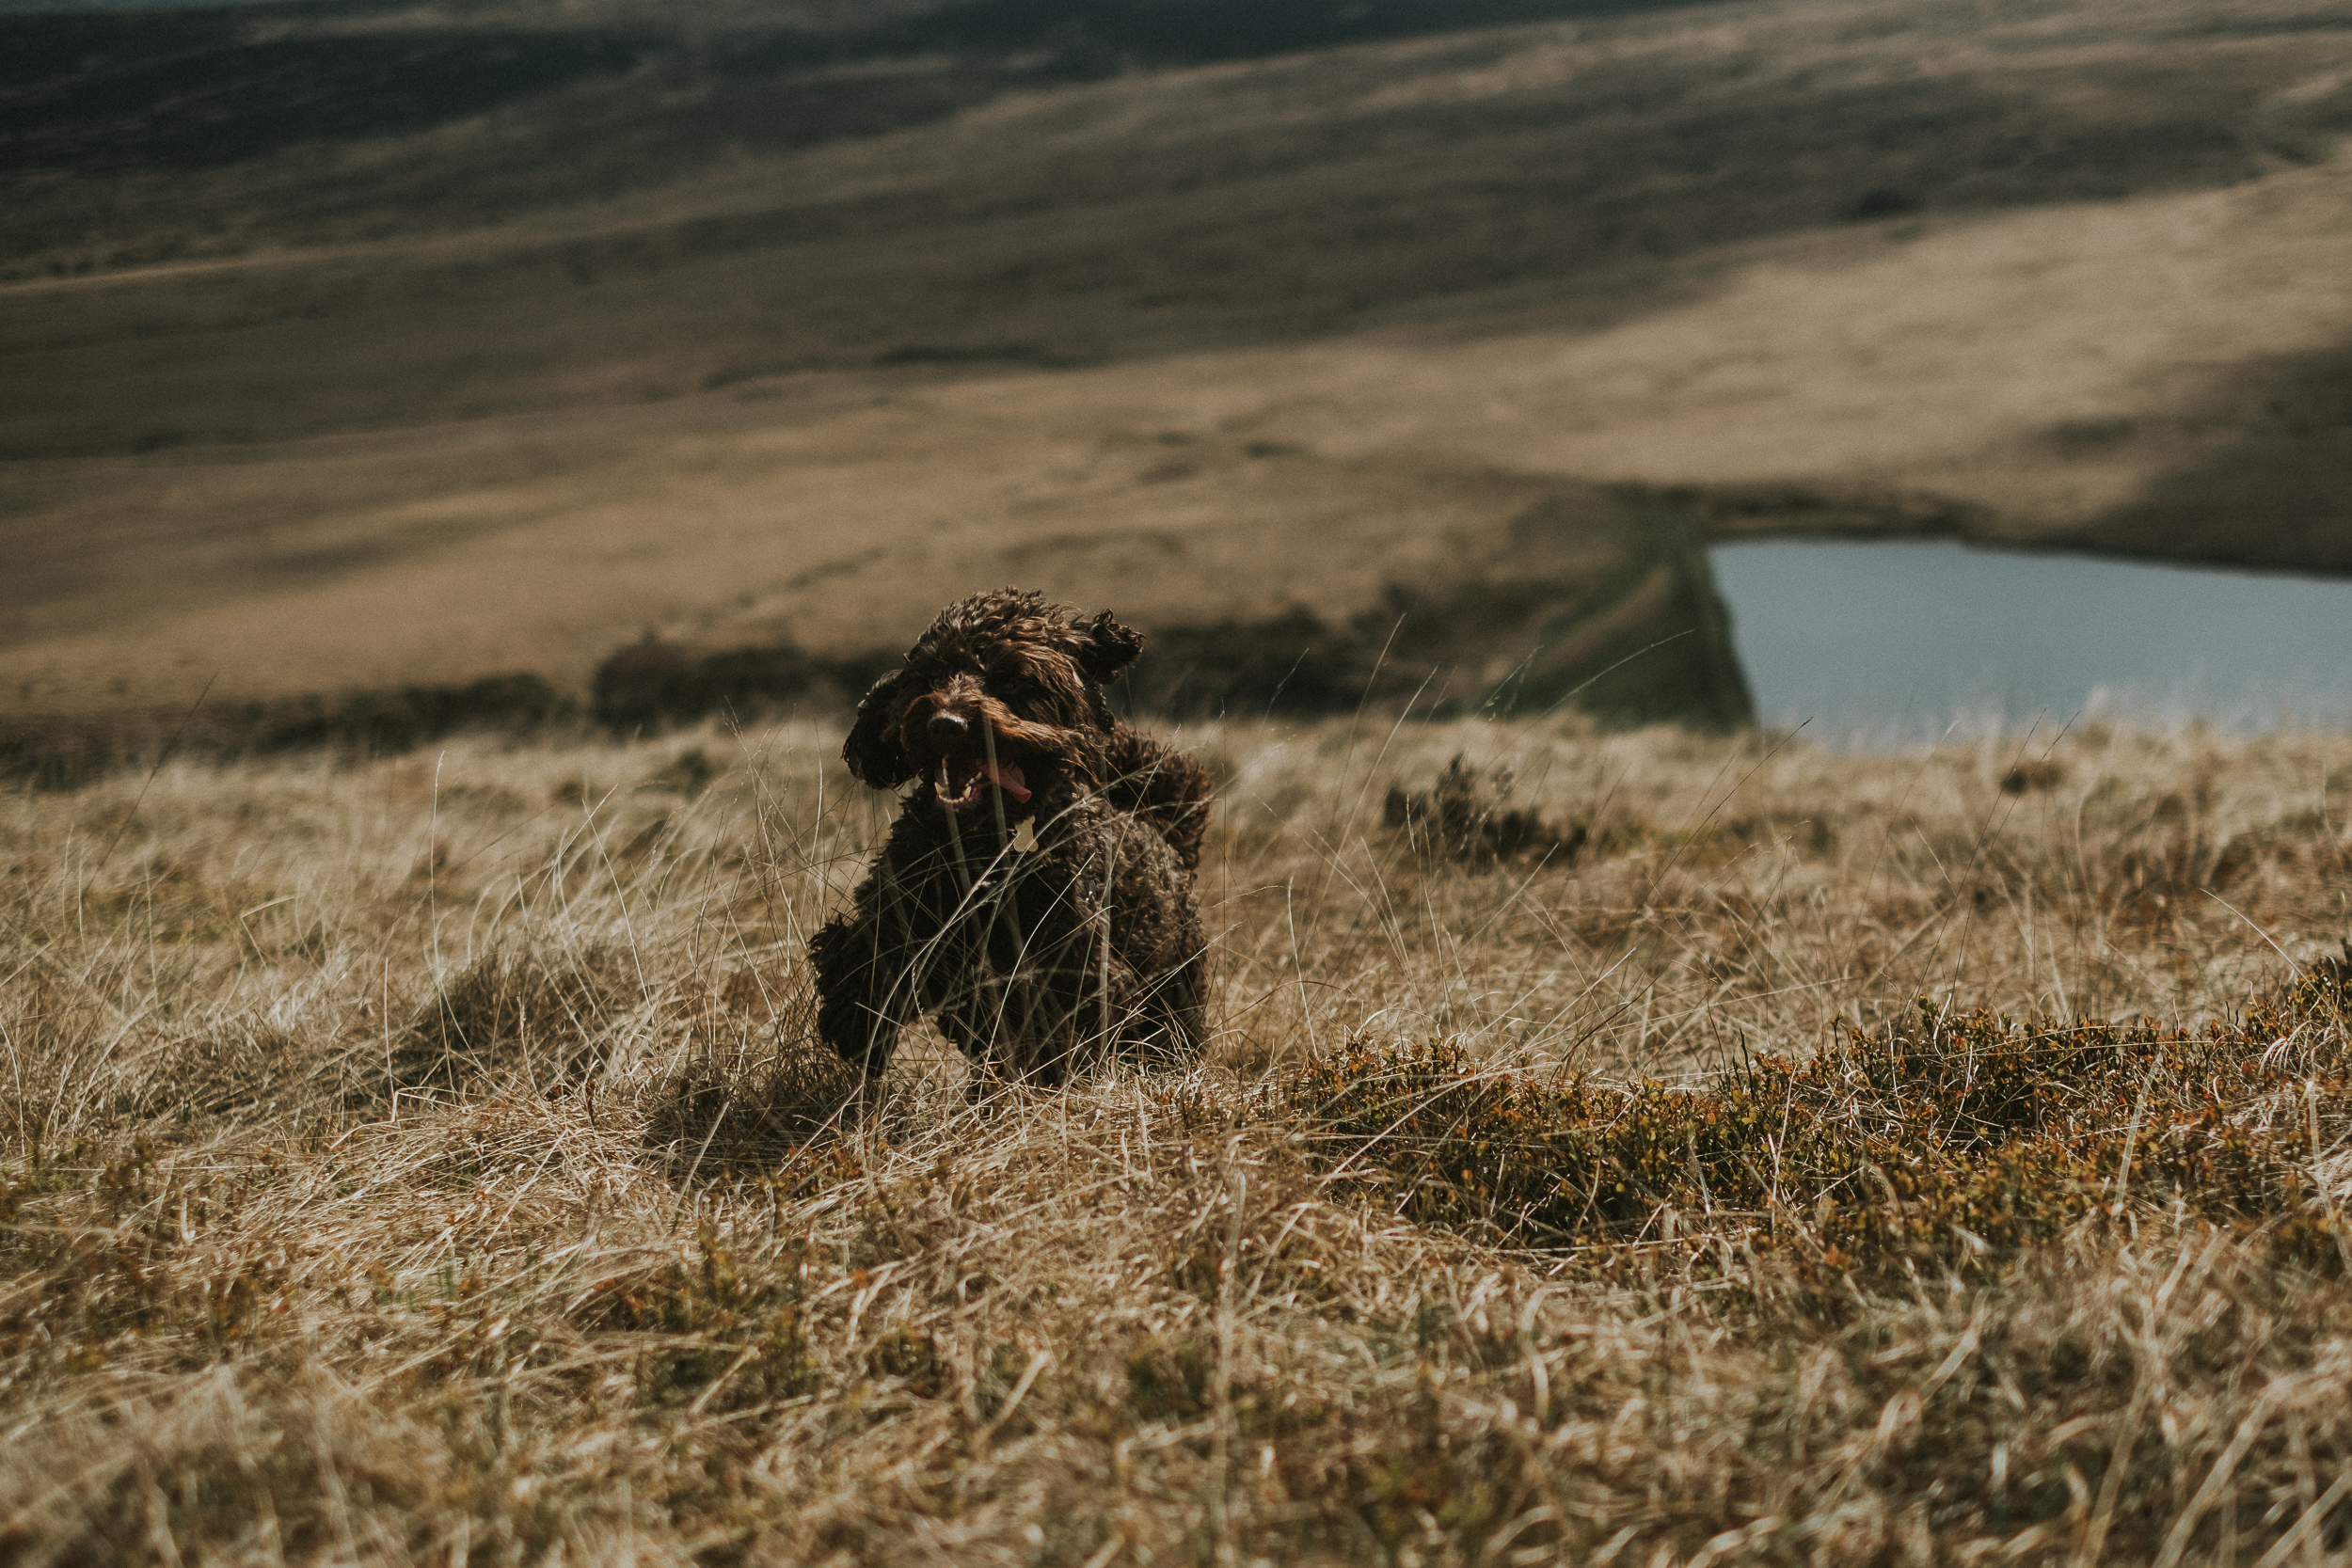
(864, 963)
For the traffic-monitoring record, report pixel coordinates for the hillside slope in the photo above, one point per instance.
(741, 331)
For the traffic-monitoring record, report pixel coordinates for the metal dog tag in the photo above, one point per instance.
(1025, 836)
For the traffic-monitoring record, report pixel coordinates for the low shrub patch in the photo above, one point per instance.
(1945, 1140)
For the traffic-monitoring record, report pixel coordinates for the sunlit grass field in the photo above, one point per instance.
(426, 1161)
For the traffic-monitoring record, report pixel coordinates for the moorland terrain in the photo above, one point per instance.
(1615, 1145)
(356, 342)
(427, 1162)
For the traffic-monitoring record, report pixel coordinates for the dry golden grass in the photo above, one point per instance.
(426, 1161)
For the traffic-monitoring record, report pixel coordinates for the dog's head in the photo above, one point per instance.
(1003, 695)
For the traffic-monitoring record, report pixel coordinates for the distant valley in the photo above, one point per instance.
(342, 345)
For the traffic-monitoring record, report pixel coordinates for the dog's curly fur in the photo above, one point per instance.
(1036, 893)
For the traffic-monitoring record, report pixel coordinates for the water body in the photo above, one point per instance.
(1893, 642)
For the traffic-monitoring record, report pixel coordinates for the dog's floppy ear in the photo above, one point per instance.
(1107, 648)
(872, 750)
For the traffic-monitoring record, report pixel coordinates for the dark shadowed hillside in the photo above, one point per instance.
(105, 91)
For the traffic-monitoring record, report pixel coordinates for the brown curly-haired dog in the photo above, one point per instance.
(1036, 893)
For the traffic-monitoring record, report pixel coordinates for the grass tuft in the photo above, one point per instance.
(529, 1016)
(1464, 817)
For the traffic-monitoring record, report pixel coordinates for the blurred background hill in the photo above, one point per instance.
(352, 345)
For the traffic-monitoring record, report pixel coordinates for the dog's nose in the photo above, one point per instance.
(948, 728)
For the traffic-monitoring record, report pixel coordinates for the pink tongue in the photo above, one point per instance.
(1009, 779)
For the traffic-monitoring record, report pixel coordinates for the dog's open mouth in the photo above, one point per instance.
(962, 779)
